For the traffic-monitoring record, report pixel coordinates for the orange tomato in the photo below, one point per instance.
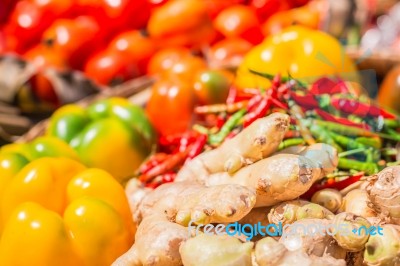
(228, 52)
(239, 21)
(165, 58)
(307, 16)
(181, 23)
(42, 56)
(170, 106)
(135, 46)
(214, 7)
(185, 69)
(75, 39)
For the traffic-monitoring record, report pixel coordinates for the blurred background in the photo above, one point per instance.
(54, 52)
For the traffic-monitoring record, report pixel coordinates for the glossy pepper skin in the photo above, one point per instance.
(111, 134)
(55, 211)
(305, 54)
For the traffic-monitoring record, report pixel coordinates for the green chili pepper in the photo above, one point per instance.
(344, 130)
(291, 142)
(391, 123)
(393, 133)
(345, 142)
(227, 127)
(367, 167)
(372, 142)
(324, 136)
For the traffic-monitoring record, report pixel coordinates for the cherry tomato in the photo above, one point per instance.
(214, 7)
(185, 69)
(135, 45)
(31, 17)
(110, 68)
(170, 106)
(156, 3)
(239, 21)
(42, 56)
(266, 8)
(74, 39)
(306, 16)
(6, 7)
(120, 14)
(228, 53)
(165, 58)
(181, 23)
(212, 86)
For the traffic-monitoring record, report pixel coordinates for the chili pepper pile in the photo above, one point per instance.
(326, 111)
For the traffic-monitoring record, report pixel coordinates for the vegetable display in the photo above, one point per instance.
(247, 138)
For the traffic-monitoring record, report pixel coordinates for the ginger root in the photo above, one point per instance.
(216, 250)
(254, 143)
(384, 249)
(277, 178)
(157, 242)
(309, 236)
(269, 252)
(182, 202)
(384, 192)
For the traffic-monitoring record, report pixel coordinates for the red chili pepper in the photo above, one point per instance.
(276, 81)
(232, 95)
(279, 104)
(185, 141)
(285, 88)
(151, 162)
(258, 112)
(254, 101)
(336, 185)
(328, 117)
(168, 177)
(361, 109)
(327, 86)
(292, 134)
(170, 163)
(197, 147)
(307, 101)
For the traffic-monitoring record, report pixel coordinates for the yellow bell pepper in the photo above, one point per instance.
(303, 53)
(57, 212)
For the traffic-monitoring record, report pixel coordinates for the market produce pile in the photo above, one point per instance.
(257, 143)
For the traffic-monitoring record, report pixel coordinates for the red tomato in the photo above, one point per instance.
(186, 69)
(31, 17)
(156, 3)
(6, 7)
(228, 52)
(42, 56)
(110, 68)
(74, 39)
(214, 7)
(117, 14)
(165, 58)
(170, 106)
(239, 21)
(266, 8)
(136, 47)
